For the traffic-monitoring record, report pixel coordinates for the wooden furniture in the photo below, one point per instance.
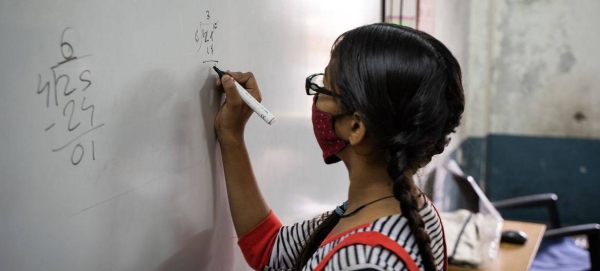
(515, 257)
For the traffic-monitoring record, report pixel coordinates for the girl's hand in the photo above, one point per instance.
(233, 115)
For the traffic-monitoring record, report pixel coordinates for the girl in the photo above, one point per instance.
(387, 102)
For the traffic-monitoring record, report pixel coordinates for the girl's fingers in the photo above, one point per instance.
(230, 89)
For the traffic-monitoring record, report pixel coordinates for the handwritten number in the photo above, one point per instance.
(67, 93)
(68, 53)
(45, 88)
(70, 117)
(85, 80)
(202, 36)
(205, 35)
(87, 108)
(78, 146)
(57, 79)
(65, 48)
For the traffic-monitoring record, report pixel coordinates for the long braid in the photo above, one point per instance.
(402, 187)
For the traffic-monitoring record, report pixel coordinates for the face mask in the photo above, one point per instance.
(324, 132)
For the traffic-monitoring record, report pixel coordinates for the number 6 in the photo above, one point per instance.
(68, 45)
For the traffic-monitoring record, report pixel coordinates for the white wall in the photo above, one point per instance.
(148, 193)
(532, 68)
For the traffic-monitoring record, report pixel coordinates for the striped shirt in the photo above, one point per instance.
(270, 246)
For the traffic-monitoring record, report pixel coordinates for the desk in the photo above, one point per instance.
(515, 257)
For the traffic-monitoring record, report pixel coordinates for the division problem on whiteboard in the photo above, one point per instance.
(65, 96)
(205, 34)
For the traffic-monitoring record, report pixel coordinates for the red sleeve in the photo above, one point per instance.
(257, 244)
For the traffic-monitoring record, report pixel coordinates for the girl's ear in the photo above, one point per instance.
(358, 131)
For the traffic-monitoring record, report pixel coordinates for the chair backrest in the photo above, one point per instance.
(469, 189)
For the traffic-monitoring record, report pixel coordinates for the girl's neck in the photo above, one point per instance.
(368, 182)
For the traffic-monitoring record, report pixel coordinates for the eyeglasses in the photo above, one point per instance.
(314, 85)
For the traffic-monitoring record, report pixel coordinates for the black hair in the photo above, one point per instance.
(406, 88)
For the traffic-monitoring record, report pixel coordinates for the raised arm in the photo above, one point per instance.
(248, 208)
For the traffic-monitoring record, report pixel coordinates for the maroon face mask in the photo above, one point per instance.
(325, 134)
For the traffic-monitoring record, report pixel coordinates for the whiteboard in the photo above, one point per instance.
(108, 158)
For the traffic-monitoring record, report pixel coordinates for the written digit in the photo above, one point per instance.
(85, 80)
(65, 48)
(87, 108)
(78, 146)
(205, 35)
(46, 87)
(72, 102)
(57, 79)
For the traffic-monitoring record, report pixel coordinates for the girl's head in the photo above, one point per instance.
(405, 88)
(404, 85)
